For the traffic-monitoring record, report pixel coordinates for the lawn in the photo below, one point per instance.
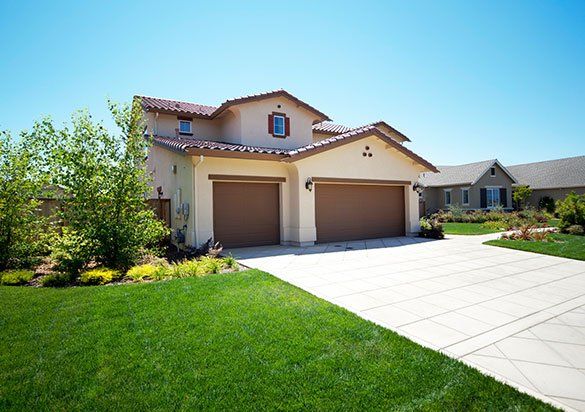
(244, 341)
(569, 246)
(452, 228)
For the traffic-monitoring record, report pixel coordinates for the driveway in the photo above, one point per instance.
(517, 316)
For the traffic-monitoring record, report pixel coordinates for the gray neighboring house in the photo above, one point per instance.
(552, 178)
(473, 186)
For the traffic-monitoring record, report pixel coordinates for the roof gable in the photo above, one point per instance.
(467, 174)
(156, 104)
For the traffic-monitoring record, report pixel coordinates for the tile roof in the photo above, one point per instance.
(183, 144)
(205, 111)
(330, 128)
(465, 174)
(565, 173)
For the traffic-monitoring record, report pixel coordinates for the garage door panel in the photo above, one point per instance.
(352, 212)
(246, 214)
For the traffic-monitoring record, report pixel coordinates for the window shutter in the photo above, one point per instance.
(270, 124)
(504, 197)
(482, 198)
(287, 126)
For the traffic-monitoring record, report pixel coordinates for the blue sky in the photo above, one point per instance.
(466, 81)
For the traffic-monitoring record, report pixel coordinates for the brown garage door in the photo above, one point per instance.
(351, 212)
(246, 214)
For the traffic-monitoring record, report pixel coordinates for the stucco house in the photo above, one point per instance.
(551, 178)
(271, 169)
(474, 186)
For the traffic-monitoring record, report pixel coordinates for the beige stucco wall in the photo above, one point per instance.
(435, 196)
(297, 212)
(166, 125)
(159, 164)
(556, 194)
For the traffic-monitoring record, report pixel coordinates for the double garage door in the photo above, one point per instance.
(248, 214)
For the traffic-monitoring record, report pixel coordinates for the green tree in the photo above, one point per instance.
(521, 193)
(21, 182)
(571, 210)
(104, 180)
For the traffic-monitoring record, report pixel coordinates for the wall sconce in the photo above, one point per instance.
(418, 188)
(309, 184)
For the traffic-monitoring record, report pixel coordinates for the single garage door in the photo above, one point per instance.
(352, 212)
(246, 214)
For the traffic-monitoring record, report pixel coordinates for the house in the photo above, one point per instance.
(552, 178)
(271, 169)
(473, 186)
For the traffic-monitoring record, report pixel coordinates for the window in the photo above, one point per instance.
(493, 172)
(465, 196)
(185, 126)
(278, 125)
(492, 196)
(448, 197)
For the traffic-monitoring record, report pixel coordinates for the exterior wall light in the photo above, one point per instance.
(309, 184)
(418, 188)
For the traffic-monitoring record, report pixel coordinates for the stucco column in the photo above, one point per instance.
(412, 223)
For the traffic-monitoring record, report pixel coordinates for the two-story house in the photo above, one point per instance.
(271, 169)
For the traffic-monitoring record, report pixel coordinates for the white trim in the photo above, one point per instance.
(468, 196)
(190, 126)
(274, 125)
(496, 162)
(445, 197)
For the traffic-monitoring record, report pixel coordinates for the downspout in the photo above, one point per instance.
(194, 200)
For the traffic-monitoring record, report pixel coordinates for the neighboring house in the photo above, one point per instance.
(552, 178)
(473, 186)
(271, 169)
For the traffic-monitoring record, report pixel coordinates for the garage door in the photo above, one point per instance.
(351, 212)
(246, 214)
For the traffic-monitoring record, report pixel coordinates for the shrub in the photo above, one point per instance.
(99, 276)
(230, 262)
(185, 269)
(457, 211)
(146, 271)
(56, 280)
(575, 230)
(16, 277)
(71, 251)
(520, 194)
(494, 225)
(211, 265)
(547, 203)
(431, 229)
(571, 210)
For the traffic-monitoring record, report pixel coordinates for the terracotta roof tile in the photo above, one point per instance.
(195, 109)
(183, 144)
(330, 128)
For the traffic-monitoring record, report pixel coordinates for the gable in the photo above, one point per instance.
(501, 179)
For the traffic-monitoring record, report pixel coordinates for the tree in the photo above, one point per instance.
(105, 182)
(21, 182)
(521, 193)
(571, 210)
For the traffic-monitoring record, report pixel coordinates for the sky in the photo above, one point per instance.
(464, 80)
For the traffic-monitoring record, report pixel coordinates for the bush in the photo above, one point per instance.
(56, 280)
(211, 265)
(575, 230)
(547, 203)
(99, 276)
(71, 252)
(146, 271)
(571, 211)
(16, 277)
(494, 225)
(431, 229)
(230, 262)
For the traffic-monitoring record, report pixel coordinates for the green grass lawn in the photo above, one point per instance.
(553, 222)
(569, 246)
(467, 229)
(244, 341)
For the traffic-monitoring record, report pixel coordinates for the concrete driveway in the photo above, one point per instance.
(517, 316)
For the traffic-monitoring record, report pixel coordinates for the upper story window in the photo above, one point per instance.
(185, 127)
(278, 125)
(493, 172)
